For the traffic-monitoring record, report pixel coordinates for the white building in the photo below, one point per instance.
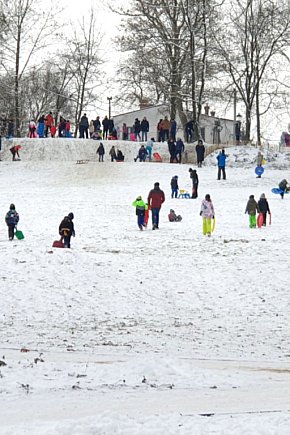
(214, 130)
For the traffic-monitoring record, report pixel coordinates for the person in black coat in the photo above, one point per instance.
(105, 124)
(172, 150)
(194, 179)
(137, 128)
(264, 208)
(84, 127)
(144, 128)
(200, 150)
(101, 152)
(66, 229)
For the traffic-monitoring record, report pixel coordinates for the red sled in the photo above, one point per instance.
(157, 157)
(58, 244)
(260, 220)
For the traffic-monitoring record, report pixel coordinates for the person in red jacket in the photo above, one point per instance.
(156, 198)
(49, 122)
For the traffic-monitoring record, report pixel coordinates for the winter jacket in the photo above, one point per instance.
(66, 227)
(49, 120)
(156, 198)
(141, 207)
(12, 217)
(252, 207)
(137, 126)
(142, 153)
(263, 206)
(173, 127)
(221, 158)
(283, 184)
(112, 152)
(144, 125)
(97, 124)
(165, 124)
(179, 147)
(200, 150)
(194, 178)
(84, 121)
(207, 209)
(105, 124)
(174, 183)
(101, 150)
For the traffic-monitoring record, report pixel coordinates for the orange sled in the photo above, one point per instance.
(157, 157)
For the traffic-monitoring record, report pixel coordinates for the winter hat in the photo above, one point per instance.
(175, 176)
(172, 211)
(12, 207)
(70, 216)
(190, 170)
(262, 196)
(251, 196)
(156, 184)
(139, 198)
(207, 197)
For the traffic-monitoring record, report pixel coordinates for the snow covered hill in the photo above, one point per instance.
(153, 332)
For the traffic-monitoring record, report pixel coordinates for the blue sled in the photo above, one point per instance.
(278, 191)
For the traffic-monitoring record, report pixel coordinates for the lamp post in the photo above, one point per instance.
(109, 99)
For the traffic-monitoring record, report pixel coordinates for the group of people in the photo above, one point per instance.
(156, 198)
(166, 129)
(176, 149)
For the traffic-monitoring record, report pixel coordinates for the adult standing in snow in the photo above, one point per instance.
(105, 124)
(194, 179)
(207, 214)
(155, 200)
(221, 158)
(137, 129)
(173, 128)
(144, 128)
(49, 122)
(101, 152)
(66, 229)
(84, 127)
(200, 150)
(171, 149)
(179, 149)
(11, 219)
(165, 126)
(40, 127)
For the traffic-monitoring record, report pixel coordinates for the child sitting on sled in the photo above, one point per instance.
(173, 217)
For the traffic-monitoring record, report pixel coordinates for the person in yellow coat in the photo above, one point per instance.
(207, 214)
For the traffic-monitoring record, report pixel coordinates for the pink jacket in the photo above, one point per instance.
(207, 210)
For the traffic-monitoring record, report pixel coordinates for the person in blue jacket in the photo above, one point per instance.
(221, 158)
(11, 219)
(142, 154)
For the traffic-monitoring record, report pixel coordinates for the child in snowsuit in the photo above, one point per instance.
(252, 208)
(172, 216)
(141, 208)
(283, 185)
(194, 178)
(263, 208)
(207, 213)
(11, 219)
(66, 229)
(174, 186)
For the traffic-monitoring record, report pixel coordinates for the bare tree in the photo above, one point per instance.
(84, 63)
(256, 34)
(28, 29)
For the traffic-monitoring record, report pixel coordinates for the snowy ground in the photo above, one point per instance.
(154, 332)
